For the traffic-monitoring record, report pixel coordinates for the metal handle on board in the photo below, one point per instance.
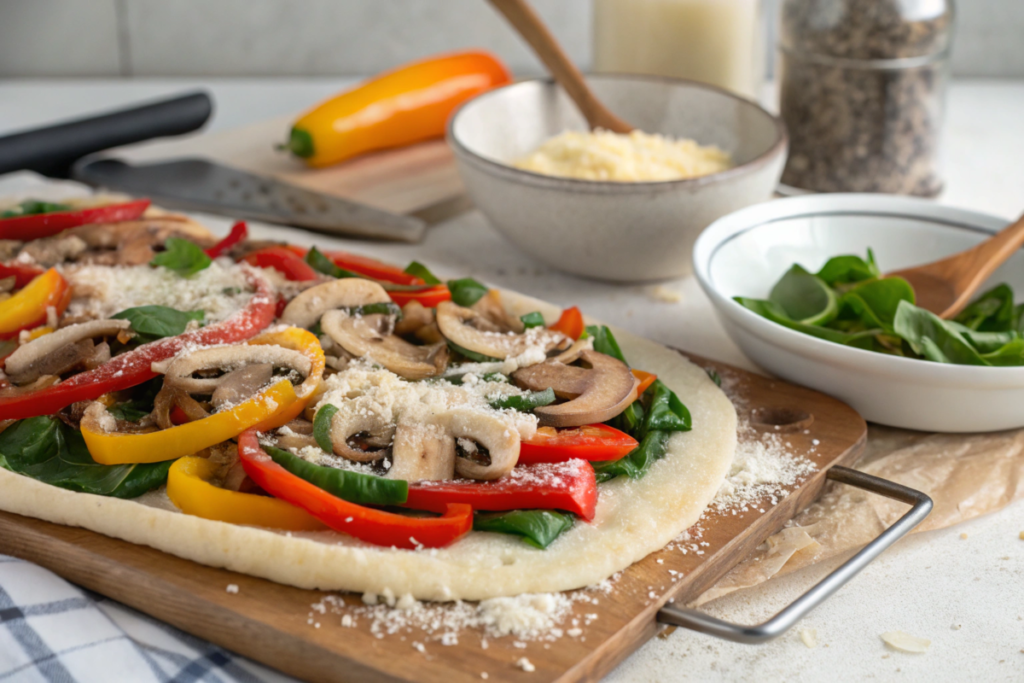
(784, 620)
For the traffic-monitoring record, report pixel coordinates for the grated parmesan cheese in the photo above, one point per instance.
(102, 291)
(634, 157)
(904, 642)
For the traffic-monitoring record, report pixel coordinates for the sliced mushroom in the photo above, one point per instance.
(369, 335)
(572, 354)
(422, 452)
(178, 373)
(348, 423)
(31, 360)
(41, 383)
(415, 316)
(49, 251)
(307, 308)
(63, 350)
(490, 307)
(134, 240)
(239, 385)
(595, 394)
(472, 331)
(296, 434)
(488, 431)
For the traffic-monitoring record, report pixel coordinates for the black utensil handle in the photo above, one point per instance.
(53, 149)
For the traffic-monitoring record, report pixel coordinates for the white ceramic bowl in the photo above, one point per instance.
(745, 253)
(628, 232)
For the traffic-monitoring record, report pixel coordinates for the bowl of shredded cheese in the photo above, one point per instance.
(623, 207)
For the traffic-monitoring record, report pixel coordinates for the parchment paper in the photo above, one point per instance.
(965, 475)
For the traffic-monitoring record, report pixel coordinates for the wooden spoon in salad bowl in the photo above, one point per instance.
(945, 287)
(532, 29)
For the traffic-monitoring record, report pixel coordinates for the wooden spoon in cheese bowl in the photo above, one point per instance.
(532, 29)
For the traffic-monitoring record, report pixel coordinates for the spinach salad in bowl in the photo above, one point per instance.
(850, 302)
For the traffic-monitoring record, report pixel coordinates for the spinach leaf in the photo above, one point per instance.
(141, 403)
(715, 377)
(604, 342)
(156, 322)
(1011, 353)
(805, 297)
(539, 528)
(665, 411)
(993, 311)
(846, 269)
(526, 402)
(322, 426)
(363, 489)
(49, 451)
(875, 301)
(534, 319)
(182, 256)
(635, 465)
(422, 272)
(767, 309)
(34, 207)
(467, 291)
(932, 337)
(320, 263)
(630, 420)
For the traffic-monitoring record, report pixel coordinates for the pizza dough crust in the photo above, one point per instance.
(634, 518)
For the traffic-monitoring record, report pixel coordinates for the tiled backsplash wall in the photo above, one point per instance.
(343, 37)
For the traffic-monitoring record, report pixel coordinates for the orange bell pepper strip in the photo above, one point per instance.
(26, 308)
(570, 323)
(189, 488)
(277, 405)
(401, 107)
(646, 380)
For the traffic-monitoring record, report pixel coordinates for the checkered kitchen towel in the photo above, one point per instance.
(54, 632)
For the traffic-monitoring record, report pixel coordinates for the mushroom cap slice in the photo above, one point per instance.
(369, 335)
(308, 307)
(489, 431)
(347, 423)
(239, 385)
(178, 373)
(471, 330)
(21, 364)
(595, 394)
(422, 452)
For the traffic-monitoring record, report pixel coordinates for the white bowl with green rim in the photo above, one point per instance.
(745, 254)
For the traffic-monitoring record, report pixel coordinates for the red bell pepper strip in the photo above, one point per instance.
(568, 486)
(570, 323)
(27, 308)
(364, 265)
(591, 442)
(284, 260)
(428, 297)
(367, 524)
(22, 274)
(239, 231)
(48, 224)
(134, 367)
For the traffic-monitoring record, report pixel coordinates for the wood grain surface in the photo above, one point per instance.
(420, 179)
(272, 623)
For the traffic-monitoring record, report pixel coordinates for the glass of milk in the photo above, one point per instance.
(713, 41)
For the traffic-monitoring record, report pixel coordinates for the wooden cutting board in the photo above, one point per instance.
(419, 179)
(274, 624)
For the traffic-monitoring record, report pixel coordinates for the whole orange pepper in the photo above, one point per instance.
(409, 104)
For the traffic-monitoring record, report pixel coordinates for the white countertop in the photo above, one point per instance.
(966, 595)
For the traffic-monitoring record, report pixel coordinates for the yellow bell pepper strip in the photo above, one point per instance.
(189, 488)
(271, 408)
(26, 309)
(409, 104)
(306, 342)
(112, 448)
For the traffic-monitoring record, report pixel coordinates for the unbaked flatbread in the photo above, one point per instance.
(634, 518)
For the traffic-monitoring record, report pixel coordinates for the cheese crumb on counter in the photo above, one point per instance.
(809, 637)
(232, 588)
(526, 665)
(1021, 536)
(633, 157)
(904, 642)
(663, 294)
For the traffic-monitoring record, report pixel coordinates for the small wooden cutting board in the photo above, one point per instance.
(278, 626)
